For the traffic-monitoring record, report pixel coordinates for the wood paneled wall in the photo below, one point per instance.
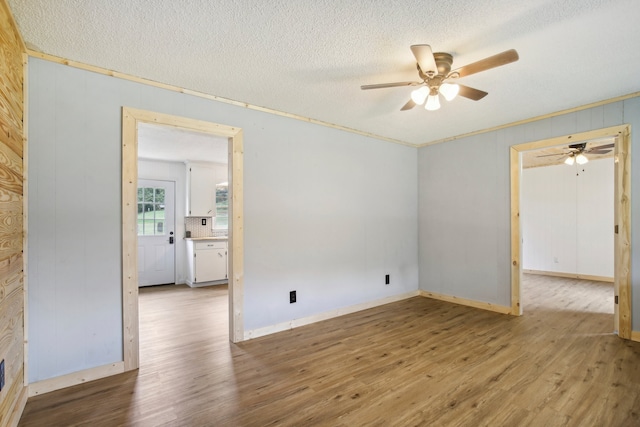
(13, 394)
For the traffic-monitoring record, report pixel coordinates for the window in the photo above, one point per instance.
(222, 206)
(151, 211)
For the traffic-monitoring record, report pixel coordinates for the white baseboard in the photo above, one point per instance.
(471, 303)
(570, 275)
(203, 284)
(295, 323)
(75, 378)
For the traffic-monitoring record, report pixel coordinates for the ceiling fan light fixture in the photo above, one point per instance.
(449, 90)
(433, 103)
(581, 159)
(419, 95)
(569, 160)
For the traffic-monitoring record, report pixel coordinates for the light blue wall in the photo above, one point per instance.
(464, 204)
(327, 213)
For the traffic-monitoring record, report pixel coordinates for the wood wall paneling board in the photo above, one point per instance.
(613, 114)
(11, 220)
(583, 120)
(565, 124)
(103, 261)
(502, 218)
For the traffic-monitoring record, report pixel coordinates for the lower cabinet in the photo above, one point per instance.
(207, 262)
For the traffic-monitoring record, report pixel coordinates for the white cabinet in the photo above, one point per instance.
(201, 181)
(202, 190)
(207, 261)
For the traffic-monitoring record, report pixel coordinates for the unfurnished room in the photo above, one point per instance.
(288, 213)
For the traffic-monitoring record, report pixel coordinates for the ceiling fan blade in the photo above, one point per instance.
(494, 61)
(471, 93)
(383, 85)
(598, 151)
(599, 147)
(408, 106)
(424, 57)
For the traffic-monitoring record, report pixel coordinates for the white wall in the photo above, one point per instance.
(327, 213)
(464, 204)
(567, 218)
(176, 172)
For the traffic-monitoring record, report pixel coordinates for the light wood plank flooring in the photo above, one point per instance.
(414, 362)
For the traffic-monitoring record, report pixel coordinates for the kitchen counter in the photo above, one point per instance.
(195, 239)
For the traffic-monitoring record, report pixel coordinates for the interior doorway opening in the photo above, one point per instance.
(622, 215)
(132, 118)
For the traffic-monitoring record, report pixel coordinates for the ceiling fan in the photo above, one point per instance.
(437, 78)
(576, 152)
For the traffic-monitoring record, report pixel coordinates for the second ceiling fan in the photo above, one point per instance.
(434, 69)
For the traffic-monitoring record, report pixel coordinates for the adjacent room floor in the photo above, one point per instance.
(414, 362)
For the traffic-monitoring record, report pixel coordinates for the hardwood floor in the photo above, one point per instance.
(414, 362)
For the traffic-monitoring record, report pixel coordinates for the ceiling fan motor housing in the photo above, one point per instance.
(443, 62)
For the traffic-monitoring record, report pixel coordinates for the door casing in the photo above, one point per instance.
(130, 119)
(622, 217)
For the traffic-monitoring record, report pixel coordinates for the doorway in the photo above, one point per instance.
(156, 227)
(622, 218)
(130, 120)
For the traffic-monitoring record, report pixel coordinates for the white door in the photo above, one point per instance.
(156, 238)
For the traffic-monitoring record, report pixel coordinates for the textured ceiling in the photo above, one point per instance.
(310, 58)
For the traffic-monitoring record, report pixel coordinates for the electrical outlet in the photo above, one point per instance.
(292, 297)
(2, 375)
(204, 221)
(386, 279)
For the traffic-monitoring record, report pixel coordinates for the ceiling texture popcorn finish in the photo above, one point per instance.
(310, 58)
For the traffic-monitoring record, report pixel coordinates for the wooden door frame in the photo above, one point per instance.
(622, 218)
(130, 119)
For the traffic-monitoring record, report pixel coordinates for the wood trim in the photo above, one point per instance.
(622, 245)
(124, 76)
(236, 237)
(622, 258)
(467, 302)
(533, 119)
(75, 378)
(570, 275)
(130, 325)
(296, 323)
(25, 211)
(635, 336)
(130, 119)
